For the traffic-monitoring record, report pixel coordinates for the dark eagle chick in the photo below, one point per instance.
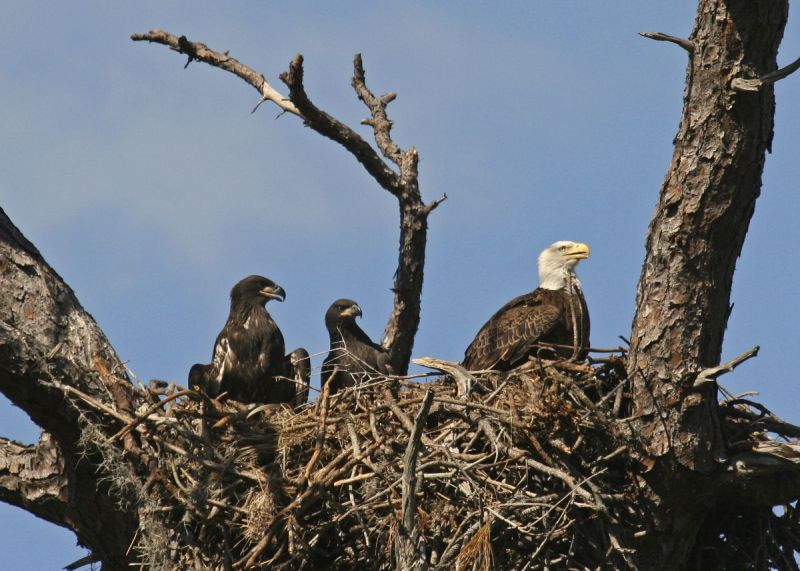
(300, 371)
(249, 361)
(554, 313)
(352, 355)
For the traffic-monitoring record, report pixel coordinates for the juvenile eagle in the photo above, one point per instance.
(300, 369)
(249, 361)
(553, 313)
(352, 353)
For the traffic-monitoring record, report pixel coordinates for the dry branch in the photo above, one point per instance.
(33, 478)
(410, 552)
(256, 486)
(755, 84)
(200, 52)
(401, 180)
(688, 45)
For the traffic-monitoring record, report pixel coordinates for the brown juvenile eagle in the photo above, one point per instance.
(300, 367)
(554, 313)
(352, 355)
(249, 361)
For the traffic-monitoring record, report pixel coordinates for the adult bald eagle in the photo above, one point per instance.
(352, 355)
(249, 361)
(555, 313)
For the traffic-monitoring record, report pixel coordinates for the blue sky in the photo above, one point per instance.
(152, 189)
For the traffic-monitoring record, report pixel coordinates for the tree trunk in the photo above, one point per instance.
(48, 340)
(694, 239)
(654, 497)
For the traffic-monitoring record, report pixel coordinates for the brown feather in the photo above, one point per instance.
(512, 334)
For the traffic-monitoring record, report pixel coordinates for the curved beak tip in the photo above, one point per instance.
(580, 252)
(273, 293)
(353, 311)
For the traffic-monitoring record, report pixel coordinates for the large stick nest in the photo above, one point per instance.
(531, 469)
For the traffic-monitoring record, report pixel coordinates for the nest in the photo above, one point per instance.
(522, 470)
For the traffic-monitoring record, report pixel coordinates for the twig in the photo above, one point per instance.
(708, 376)
(755, 84)
(201, 52)
(142, 417)
(688, 45)
(409, 544)
(326, 391)
(94, 403)
(463, 379)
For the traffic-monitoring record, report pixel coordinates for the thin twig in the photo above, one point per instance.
(688, 45)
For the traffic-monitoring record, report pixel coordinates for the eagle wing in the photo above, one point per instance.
(353, 359)
(372, 357)
(246, 360)
(508, 337)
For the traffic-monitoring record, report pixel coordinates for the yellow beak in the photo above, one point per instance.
(578, 252)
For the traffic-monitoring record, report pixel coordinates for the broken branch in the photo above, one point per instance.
(688, 45)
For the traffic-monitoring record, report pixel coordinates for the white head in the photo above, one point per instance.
(557, 265)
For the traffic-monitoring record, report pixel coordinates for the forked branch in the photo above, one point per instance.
(335, 130)
(401, 180)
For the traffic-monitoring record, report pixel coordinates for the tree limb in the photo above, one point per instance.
(710, 375)
(688, 45)
(705, 205)
(34, 478)
(768, 475)
(403, 322)
(49, 342)
(409, 545)
(755, 84)
(337, 131)
(200, 52)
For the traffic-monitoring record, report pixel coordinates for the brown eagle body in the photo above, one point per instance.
(299, 363)
(249, 361)
(552, 315)
(353, 357)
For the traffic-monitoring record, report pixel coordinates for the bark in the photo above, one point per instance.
(47, 340)
(683, 300)
(698, 229)
(33, 478)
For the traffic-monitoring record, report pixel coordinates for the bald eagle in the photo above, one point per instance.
(352, 355)
(554, 313)
(249, 361)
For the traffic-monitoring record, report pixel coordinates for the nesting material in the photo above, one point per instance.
(525, 470)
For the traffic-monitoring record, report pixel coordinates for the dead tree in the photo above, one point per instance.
(694, 239)
(633, 464)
